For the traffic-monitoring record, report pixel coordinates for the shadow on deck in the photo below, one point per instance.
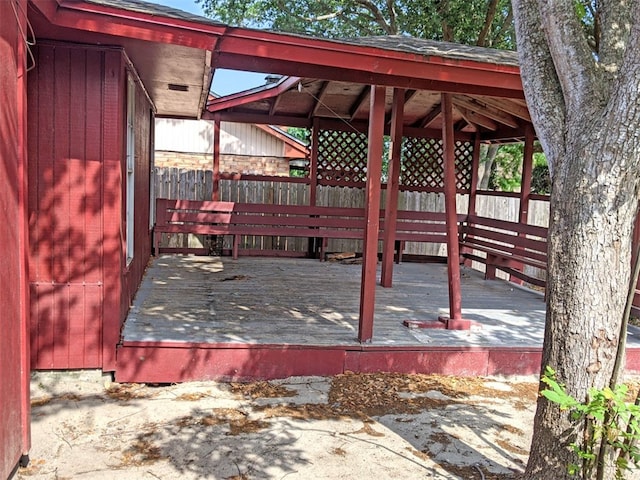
(197, 318)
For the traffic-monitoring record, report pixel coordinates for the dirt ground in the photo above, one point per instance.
(382, 426)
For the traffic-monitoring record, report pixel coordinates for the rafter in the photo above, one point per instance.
(360, 102)
(476, 119)
(425, 121)
(511, 107)
(275, 103)
(485, 110)
(409, 95)
(318, 99)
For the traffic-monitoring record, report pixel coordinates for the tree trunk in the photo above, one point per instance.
(586, 111)
(486, 163)
(593, 207)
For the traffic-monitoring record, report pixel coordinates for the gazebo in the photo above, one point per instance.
(435, 124)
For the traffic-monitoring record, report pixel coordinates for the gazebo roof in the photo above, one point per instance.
(176, 53)
(296, 101)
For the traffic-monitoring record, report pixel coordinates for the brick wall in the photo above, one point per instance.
(254, 165)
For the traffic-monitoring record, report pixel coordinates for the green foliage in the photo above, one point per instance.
(612, 424)
(541, 180)
(463, 21)
(302, 134)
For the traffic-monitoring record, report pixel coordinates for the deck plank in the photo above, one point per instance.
(198, 318)
(305, 302)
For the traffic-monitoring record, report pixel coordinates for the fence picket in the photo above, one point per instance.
(176, 183)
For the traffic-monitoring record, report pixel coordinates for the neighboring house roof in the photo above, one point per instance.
(174, 53)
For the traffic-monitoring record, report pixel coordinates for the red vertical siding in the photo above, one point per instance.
(14, 396)
(80, 284)
(75, 125)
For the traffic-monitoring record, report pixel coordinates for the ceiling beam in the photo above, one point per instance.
(409, 94)
(512, 108)
(275, 102)
(488, 111)
(425, 121)
(318, 99)
(476, 119)
(361, 101)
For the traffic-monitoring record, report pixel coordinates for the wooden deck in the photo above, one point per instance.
(211, 317)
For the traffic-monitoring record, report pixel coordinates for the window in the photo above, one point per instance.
(130, 168)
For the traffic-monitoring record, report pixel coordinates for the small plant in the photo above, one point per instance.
(612, 426)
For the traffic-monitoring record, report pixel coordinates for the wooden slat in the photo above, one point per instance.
(511, 240)
(508, 226)
(256, 220)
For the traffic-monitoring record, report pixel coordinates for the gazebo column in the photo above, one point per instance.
(473, 188)
(475, 170)
(393, 186)
(372, 214)
(312, 246)
(454, 320)
(525, 187)
(313, 163)
(215, 195)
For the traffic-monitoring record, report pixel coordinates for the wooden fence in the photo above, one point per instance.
(174, 183)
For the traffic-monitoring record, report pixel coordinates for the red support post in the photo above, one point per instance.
(473, 188)
(393, 186)
(453, 251)
(525, 187)
(313, 167)
(372, 214)
(527, 171)
(475, 170)
(215, 196)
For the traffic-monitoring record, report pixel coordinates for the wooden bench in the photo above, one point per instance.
(507, 246)
(322, 223)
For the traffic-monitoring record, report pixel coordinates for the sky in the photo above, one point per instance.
(225, 82)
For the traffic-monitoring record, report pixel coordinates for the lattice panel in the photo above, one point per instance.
(464, 165)
(422, 165)
(342, 156)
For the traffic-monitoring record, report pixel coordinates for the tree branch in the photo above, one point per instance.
(488, 20)
(504, 25)
(612, 28)
(443, 11)
(377, 14)
(572, 56)
(541, 84)
(393, 16)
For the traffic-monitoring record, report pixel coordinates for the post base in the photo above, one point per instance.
(443, 322)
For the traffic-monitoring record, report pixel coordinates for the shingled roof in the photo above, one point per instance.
(399, 43)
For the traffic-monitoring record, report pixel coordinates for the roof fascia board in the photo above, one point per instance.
(295, 144)
(125, 23)
(493, 83)
(255, 94)
(237, 117)
(299, 50)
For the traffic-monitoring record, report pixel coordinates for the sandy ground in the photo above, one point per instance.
(381, 426)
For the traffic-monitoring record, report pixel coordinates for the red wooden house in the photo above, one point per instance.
(83, 83)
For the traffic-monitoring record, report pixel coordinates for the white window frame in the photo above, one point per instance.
(130, 169)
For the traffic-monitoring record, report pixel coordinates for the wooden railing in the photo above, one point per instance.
(240, 220)
(506, 246)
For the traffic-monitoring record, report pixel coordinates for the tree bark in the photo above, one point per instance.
(486, 163)
(586, 113)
